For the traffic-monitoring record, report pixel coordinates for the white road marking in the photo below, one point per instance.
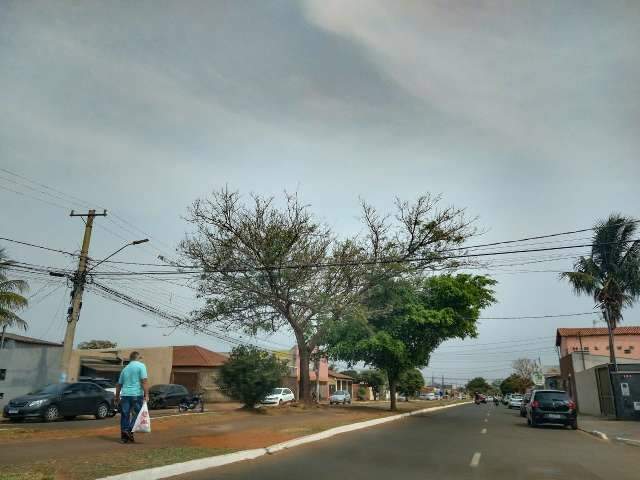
(486, 420)
(484, 430)
(475, 460)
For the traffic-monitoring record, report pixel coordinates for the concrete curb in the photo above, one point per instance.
(629, 441)
(597, 433)
(220, 460)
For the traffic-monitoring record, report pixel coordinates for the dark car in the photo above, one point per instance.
(525, 401)
(164, 396)
(66, 400)
(552, 406)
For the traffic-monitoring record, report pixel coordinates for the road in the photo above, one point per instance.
(467, 442)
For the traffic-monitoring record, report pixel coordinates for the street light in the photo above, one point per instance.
(135, 242)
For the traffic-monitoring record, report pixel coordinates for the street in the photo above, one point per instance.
(475, 442)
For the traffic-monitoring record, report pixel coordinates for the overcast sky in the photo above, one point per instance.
(526, 114)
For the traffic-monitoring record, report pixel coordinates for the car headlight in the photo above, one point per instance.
(38, 403)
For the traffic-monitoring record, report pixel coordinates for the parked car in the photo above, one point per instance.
(66, 400)
(105, 383)
(524, 403)
(165, 396)
(515, 401)
(552, 406)
(340, 396)
(428, 396)
(505, 399)
(279, 396)
(490, 398)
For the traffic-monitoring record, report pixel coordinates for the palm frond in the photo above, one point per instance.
(10, 320)
(12, 300)
(13, 286)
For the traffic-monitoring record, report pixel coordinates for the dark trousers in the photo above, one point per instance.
(129, 408)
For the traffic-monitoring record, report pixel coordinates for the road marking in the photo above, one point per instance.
(475, 460)
(484, 430)
(486, 420)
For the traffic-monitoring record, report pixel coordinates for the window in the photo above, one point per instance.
(619, 347)
(595, 348)
(626, 350)
(586, 349)
(3, 373)
(575, 349)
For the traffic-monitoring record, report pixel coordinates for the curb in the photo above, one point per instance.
(220, 460)
(597, 433)
(629, 441)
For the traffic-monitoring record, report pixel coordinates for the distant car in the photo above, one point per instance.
(505, 399)
(105, 383)
(428, 396)
(279, 396)
(165, 396)
(490, 398)
(515, 401)
(340, 396)
(66, 400)
(552, 406)
(523, 404)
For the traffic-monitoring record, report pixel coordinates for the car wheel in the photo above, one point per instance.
(69, 417)
(280, 402)
(102, 412)
(51, 413)
(574, 425)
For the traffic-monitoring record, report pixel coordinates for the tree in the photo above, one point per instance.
(524, 368)
(353, 374)
(514, 383)
(479, 385)
(250, 374)
(401, 322)
(11, 299)
(96, 344)
(611, 274)
(375, 379)
(410, 382)
(266, 268)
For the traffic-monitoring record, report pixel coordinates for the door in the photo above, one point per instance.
(72, 400)
(94, 395)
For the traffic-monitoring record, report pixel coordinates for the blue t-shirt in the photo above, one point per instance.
(130, 378)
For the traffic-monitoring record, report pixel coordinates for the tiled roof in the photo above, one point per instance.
(33, 341)
(339, 375)
(594, 332)
(194, 356)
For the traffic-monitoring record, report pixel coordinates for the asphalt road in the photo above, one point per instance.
(467, 442)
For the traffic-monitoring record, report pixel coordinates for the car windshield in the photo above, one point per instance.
(276, 391)
(159, 388)
(49, 389)
(552, 396)
(339, 392)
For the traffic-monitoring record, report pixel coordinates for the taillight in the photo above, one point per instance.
(572, 405)
(535, 404)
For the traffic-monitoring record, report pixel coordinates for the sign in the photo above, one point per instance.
(624, 387)
(537, 378)
(636, 406)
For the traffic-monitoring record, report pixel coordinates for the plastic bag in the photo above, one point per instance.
(143, 420)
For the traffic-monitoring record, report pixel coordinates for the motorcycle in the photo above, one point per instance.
(191, 403)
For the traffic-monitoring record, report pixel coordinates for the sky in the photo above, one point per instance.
(525, 114)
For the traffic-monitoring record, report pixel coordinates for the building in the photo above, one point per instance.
(626, 341)
(27, 363)
(318, 375)
(194, 367)
(340, 381)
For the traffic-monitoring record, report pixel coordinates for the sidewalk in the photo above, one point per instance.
(616, 430)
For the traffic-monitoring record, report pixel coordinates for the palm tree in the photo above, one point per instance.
(611, 274)
(10, 299)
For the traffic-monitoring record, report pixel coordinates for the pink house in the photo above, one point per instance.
(323, 373)
(596, 341)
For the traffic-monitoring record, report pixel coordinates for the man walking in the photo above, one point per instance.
(131, 390)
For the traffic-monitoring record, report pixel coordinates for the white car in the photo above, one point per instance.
(340, 396)
(489, 398)
(279, 396)
(428, 396)
(515, 401)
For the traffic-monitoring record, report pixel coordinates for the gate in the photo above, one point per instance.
(605, 392)
(189, 380)
(626, 387)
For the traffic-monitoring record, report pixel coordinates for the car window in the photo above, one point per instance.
(181, 389)
(287, 391)
(552, 396)
(276, 391)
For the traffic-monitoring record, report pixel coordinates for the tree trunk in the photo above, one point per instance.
(392, 392)
(305, 383)
(612, 352)
(4, 329)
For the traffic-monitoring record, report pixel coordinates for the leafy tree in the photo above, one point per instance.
(250, 374)
(97, 344)
(267, 268)
(611, 274)
(375, 379)
(410, 382)
(402, 322)
(514, 383)
(478, 384)
(11, 299)
(353, 374)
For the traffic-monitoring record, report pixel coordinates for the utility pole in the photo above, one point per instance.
(79, 280)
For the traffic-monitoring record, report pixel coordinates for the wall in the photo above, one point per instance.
(587, 392)
(28, 369)
(599, 345)
(324, 366)
(207, 382)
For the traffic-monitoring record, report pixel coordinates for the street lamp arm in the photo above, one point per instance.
(135, 242)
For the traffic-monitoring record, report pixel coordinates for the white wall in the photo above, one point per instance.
(587, 392)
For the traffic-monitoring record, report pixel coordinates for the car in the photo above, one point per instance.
(105, 383)
(552, 406)
(66, 400)
(340, 396)
(428, 396)
(505, 399)
(167, 395)
(490, 398)
(279, 396)
(524, 403)
(515, 401)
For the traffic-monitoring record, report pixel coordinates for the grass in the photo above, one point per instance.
(111, 464)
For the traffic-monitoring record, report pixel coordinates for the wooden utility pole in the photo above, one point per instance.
(79, 280)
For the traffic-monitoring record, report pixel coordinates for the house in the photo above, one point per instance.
(192, 366)
(318, 375)
(340, 381)
(27, 363)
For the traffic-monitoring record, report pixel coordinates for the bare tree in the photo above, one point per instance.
(267, 268)
(524, 368)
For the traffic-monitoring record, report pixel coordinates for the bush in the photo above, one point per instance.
(362, 392)
(250, 374)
